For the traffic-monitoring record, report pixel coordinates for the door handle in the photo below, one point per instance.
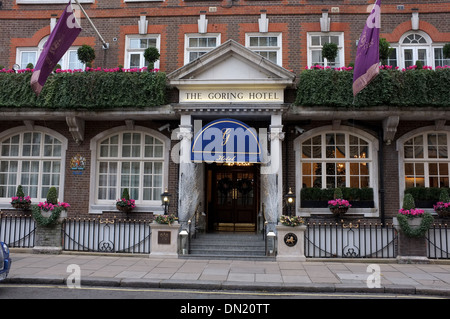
(234, 193)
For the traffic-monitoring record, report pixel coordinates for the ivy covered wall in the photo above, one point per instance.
(85, 90)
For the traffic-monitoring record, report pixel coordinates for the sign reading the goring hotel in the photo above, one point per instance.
(238, 95)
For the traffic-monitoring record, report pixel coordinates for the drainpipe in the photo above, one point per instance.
(381, 176)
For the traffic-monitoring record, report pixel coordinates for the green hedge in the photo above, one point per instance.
(416, 88)
(85, 90)
(425, 193)
(349, 193)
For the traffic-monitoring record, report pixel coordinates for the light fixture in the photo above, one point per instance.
(165, 200)
(16, 67)
(290, 200)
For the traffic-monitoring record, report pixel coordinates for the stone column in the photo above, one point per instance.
(271, 174)
(276, 137)
(189, 175)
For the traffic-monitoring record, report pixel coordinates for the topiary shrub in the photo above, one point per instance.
(52, 196)
(86, 54)
(329, 51)
(151, 55)
(408, 202)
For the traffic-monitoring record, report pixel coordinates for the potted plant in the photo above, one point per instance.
(86, 54)
(20, 201)
(151, 55)
(48, 213)
(442, 207)
(166, 219)
(411, 221)
(291, 220)
(338, 206)
(329, 51)
(125, 204)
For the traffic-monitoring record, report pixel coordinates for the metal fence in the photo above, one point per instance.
(350, 240)
(106, 235)
(438, 241)
(17, 231)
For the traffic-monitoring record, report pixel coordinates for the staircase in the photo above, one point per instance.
(244, 246)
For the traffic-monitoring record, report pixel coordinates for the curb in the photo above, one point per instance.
(228, 285)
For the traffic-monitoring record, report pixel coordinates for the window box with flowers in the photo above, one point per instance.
(411, 221)
(125, 204)
(51, 211)
(20, 201)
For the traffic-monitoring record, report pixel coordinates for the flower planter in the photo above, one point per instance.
(124, 209)
(22, 206)
(443, 213)
(338, 211)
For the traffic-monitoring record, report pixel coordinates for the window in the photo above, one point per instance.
(425, 160)
(267, 45)
(31, 55)
(198, 44)
(135, 47)
(33, 159)
(439, 59)
(333, 160)
(315, 43)
(329, 157)
(137, 160)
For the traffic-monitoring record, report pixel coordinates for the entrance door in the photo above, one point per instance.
(234, 198)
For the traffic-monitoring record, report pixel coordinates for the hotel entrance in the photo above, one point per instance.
(232, 193)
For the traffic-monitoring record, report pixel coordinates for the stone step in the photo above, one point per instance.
(246, 246)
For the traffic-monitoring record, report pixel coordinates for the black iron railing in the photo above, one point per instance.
(350, 240)
(17, 231)
(106, 235)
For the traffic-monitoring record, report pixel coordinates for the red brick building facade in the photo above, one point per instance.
(380, 148)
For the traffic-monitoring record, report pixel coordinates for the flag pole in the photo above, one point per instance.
(105, 45)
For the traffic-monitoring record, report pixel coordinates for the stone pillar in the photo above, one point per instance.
(276, 137)
(189, 174)
(48, 239)
(411, 250)
(164, 240)
(291, 243)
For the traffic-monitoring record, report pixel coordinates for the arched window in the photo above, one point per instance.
(424, 159)
(136, 160)
(33, 159)
(331, 158)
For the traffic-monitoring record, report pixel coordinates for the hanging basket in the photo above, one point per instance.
(23, 206)
(338, 211)
(443, 212)
(124, 209)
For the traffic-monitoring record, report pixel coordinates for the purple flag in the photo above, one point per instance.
(65, 32)
(368, 54)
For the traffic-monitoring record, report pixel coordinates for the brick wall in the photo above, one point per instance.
(24, 25)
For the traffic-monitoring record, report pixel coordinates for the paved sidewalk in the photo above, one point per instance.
(309, 276)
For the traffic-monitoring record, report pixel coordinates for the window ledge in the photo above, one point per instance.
(363, 212)
(100, 209)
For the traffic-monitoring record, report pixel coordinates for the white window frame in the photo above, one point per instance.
(64, 62)
(188, 50)
(129, 51)
(341, 48)
(98, 206)
(277, 49)
(5, 202)
(401, 156)
(372, 160)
